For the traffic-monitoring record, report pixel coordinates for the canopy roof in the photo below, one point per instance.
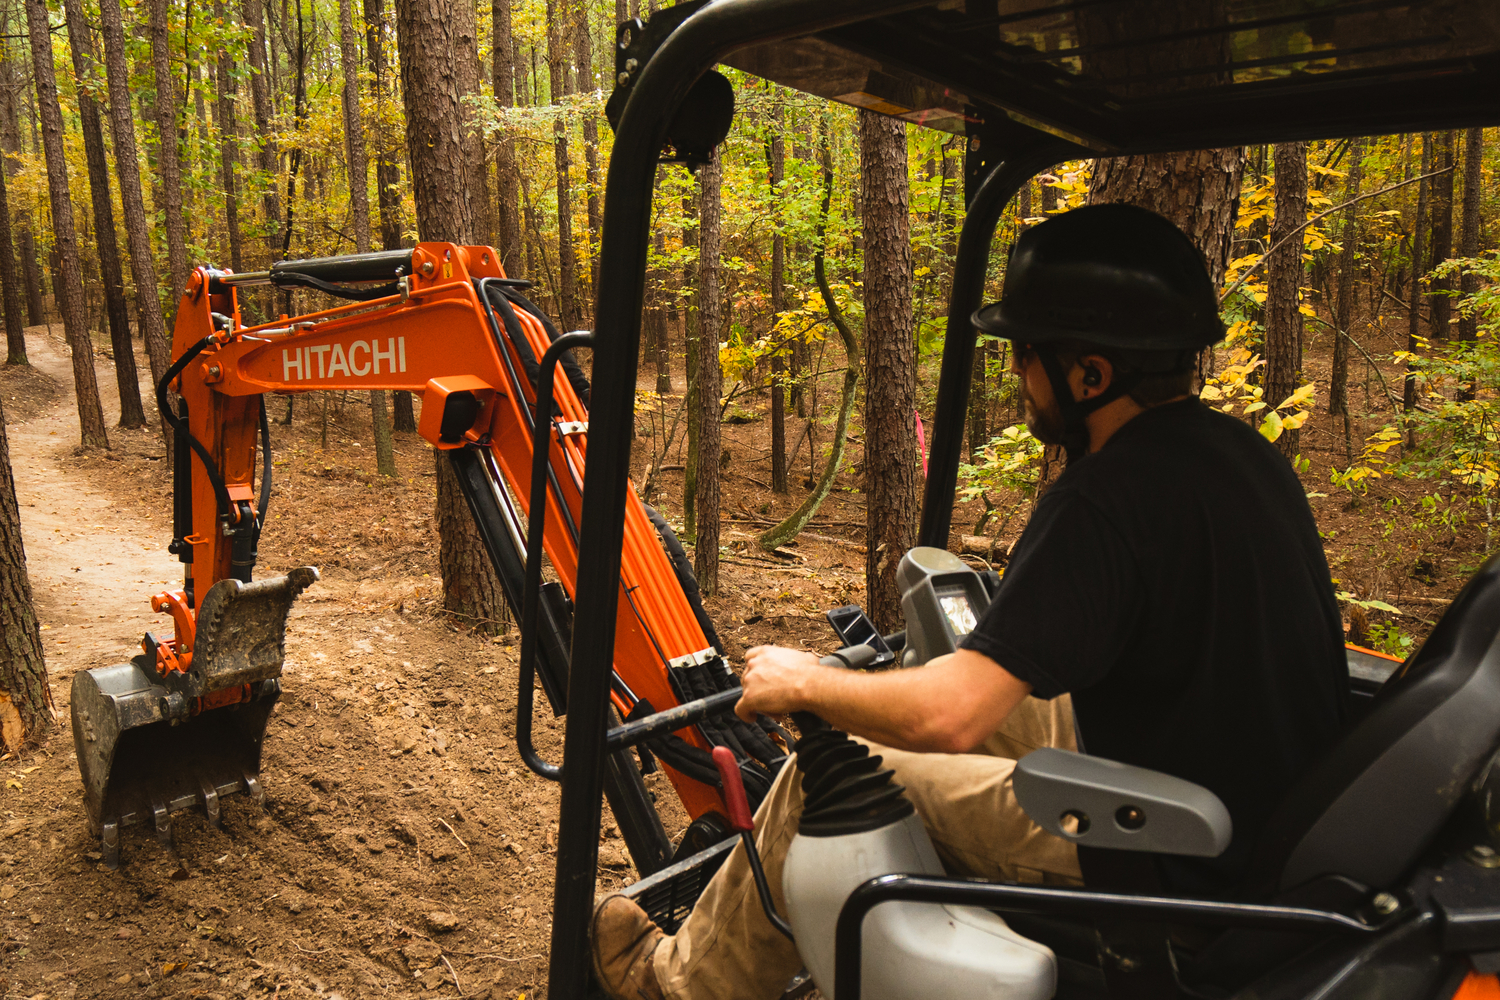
(1127, 76)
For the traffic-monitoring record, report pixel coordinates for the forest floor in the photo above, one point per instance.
(405, 850)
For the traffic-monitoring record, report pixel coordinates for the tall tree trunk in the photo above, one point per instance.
(25, 697)
(10, 285)
(254, 14)
(1199, 191)
(1283, 283)
(1338, 388)
(354, 134)
(507, 181)
(387, 170)
(661, 338)
(132, 199)
(1468, 325)
(1442, 233)
(12, 82)
(167, 160)
(710, 377)
(1414, 289)
(590, 142)
(890, 372)
(69, 292)
(776, 174)
(692, 301)
(433, 49)
(472, 82)
(567, 263)
(229, 149)
(81, 43)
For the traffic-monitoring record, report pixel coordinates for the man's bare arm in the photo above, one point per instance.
(949, 705)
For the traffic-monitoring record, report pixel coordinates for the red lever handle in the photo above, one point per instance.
(740, 820)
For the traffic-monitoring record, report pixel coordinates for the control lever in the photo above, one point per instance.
(741, 822)
(849, 658)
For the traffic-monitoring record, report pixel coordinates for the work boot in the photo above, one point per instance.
(623, 940)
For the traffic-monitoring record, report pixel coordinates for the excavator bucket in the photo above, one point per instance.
(151, 744)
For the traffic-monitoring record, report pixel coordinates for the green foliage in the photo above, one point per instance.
(1232, 387)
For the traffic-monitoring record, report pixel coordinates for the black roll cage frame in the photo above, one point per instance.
(1001, 156)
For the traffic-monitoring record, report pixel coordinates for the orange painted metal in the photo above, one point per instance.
(1478, 986)
(434, 338)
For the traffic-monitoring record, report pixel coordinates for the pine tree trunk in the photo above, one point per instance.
(1442, 233)
(1338, 389)
(1199, 191)
(433, 49)
(380, 421)
(472, 83)
(710, 377)
(253, 12)
(132, 199)
(229, 150)
(24, 693)
(354, 134)
(692, 301)
(1468, 324)
(29, 287)
(387, 172)
(10, 285)
(567, 264)
(1284, 275)
(81, 43)
(167, 159)
(69, 292)
(590, 145)
(507, 181)
(1414, 290)
(776, 173)
(890, 375)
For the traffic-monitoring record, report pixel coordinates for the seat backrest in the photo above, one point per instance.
(1370, 807)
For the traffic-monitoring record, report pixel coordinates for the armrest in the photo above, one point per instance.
(1103, 803)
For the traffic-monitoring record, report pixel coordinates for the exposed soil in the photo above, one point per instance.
(405, 851)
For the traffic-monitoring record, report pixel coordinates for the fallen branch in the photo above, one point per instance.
(455, 834)
(449, 964)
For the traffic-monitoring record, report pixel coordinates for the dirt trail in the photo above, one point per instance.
(93, 561)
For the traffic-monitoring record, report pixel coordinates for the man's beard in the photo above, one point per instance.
(1045, 425)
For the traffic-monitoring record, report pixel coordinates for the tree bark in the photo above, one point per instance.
(691, 351)
(260, 95)
(1284, 274)
(710, 377)
(890, 353)
(433, 48)
(128, 171)
(354, 134)
(1199, 191)
(567, 264)
(387, 172)
(776, 174)
(590, 143)
(25, 696)
(168, 162)
(81, 44)
(1468, 325)
(15, 315)
(507, 180)
(1414, 288)
(1442, 234)
(10, 125)
(69, 292)
(1338, 389)
(229, 150)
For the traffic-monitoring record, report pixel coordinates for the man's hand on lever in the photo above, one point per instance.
(949, 705)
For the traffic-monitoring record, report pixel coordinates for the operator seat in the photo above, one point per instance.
(1399, 772)
(1358, 822)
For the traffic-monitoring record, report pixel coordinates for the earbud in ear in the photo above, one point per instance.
(1091, 375)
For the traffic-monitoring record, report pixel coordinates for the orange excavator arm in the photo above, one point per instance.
(445, 323)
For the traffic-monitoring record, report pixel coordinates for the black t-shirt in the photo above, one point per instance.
(1174, 583)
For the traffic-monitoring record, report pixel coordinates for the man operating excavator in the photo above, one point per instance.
(1170, 593)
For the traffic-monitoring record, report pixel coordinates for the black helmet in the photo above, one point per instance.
(1112, 275)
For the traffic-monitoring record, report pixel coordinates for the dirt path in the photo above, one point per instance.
(93, 560)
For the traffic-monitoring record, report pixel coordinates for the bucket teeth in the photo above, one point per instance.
(109, 845)
(210, 802)
(163, 821)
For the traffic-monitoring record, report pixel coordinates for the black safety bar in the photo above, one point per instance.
(670, 720)
(536, 523)
(1055, 901)
(664, 81)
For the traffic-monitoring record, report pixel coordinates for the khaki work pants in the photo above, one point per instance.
(728, 950)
